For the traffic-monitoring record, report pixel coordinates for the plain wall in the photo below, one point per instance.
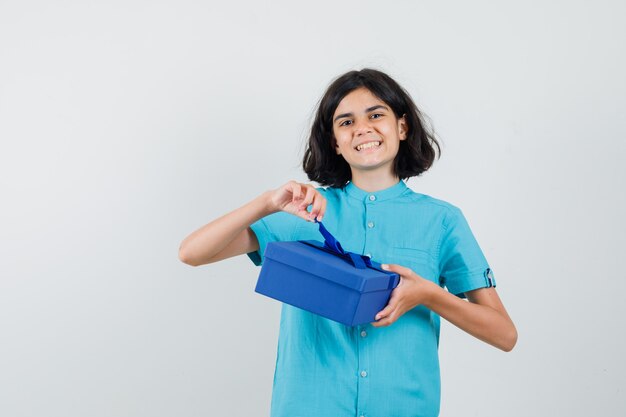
(126, 125)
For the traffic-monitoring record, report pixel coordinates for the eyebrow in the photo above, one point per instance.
(369, 109)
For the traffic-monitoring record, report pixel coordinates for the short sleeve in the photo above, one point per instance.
(276, 227)
(462, 264)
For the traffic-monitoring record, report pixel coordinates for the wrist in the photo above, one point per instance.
(265, 201)
(432, 295)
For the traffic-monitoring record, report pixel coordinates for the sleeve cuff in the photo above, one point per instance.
(260, 230)
(474, 281)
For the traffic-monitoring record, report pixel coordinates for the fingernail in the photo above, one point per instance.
(384, 266)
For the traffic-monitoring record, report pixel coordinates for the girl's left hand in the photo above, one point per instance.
(412, 291)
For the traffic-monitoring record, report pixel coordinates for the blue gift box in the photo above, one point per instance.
(324, 279)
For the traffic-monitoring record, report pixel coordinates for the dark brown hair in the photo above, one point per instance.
(415, 155)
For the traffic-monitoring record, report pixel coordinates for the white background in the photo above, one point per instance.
(126, 125)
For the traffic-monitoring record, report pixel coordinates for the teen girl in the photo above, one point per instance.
(367, 137)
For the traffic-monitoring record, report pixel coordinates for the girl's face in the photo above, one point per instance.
(367, 131)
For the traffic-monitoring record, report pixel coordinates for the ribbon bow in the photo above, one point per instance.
(332, 244)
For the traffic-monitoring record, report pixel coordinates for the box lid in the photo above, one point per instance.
(329, 261)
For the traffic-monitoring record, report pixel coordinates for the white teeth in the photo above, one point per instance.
(367, 145)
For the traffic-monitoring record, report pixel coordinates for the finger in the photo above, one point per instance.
(398, 269)
(318, 202)
(296, 192)
(296, 201)
(323, 209)
(308, 198)
(386, 321)
(381, 323)
(385, 312)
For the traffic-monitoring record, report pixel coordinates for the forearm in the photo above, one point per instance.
(200, 246)
(481, 321)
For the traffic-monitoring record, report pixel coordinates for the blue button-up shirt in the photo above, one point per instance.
(327, 369)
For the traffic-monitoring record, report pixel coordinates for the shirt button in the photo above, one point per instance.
(372, 197)
(370, 224)
(363, 333)
(363, 374)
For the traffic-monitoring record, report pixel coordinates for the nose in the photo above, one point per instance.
(362, 126)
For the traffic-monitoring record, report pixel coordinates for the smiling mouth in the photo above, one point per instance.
(368, 145)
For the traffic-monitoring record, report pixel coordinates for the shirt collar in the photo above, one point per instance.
(385, 194)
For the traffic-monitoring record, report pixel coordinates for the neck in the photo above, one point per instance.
(372, 181)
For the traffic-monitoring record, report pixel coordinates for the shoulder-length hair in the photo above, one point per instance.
(415, 155)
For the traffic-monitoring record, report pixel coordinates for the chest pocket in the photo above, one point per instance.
(419, 261)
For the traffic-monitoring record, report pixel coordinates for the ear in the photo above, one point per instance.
(402, 127)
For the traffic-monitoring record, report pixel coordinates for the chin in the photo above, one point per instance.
(370, 166)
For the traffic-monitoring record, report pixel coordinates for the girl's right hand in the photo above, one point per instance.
(294, 198)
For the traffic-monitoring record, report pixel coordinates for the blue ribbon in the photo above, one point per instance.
(359, 261)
